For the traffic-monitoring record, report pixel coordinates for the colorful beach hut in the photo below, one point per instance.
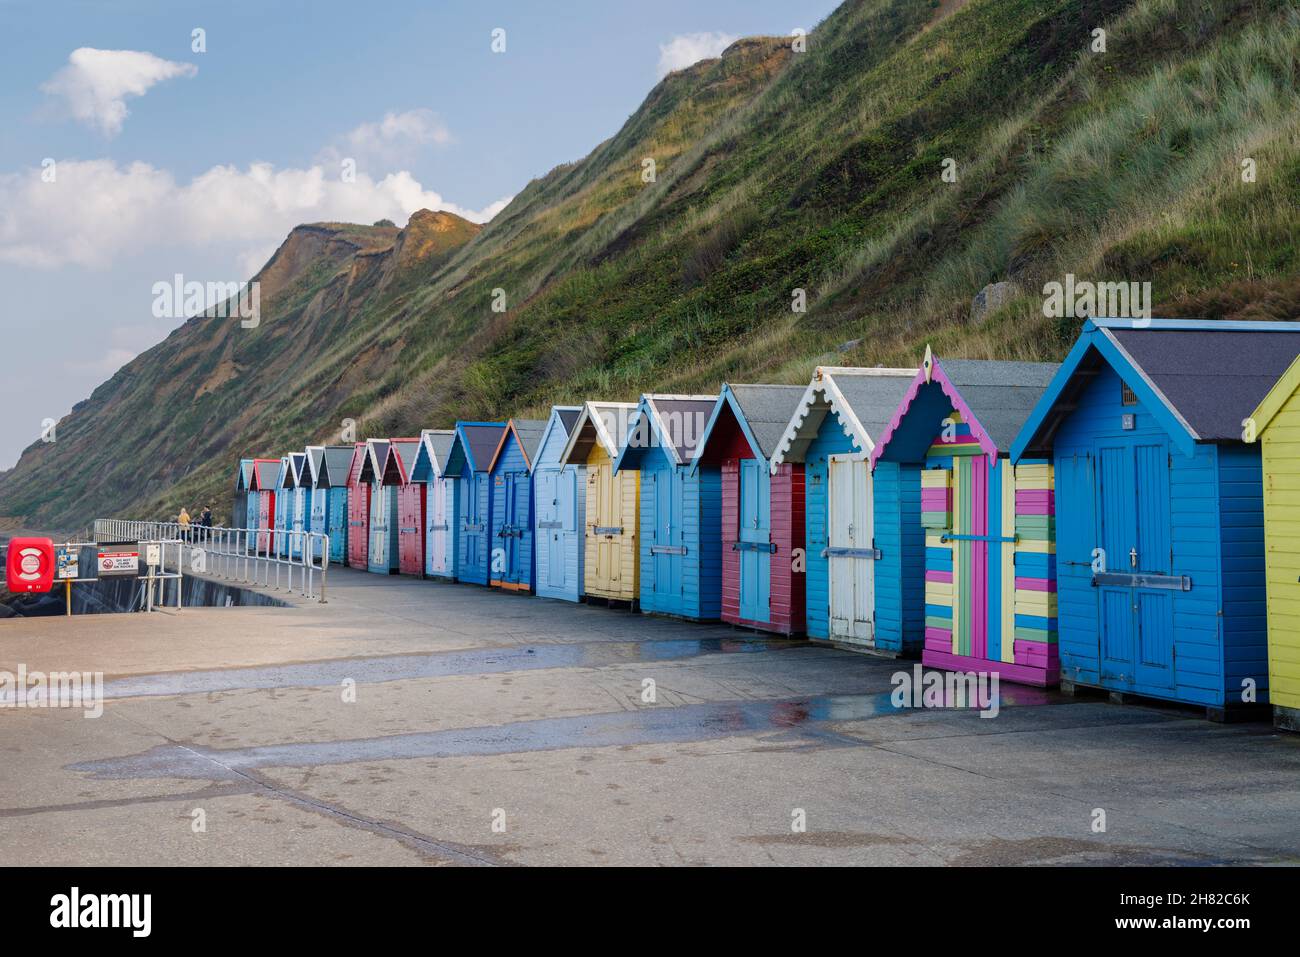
(301, 496)
(381, 554)
(317, 496)
(472, 448)
(410, 505)
(1160, 552)
(611, 556)
(762, 507)
(333, 478)
(266, 473)
(854, 567)
(510, 474)
(284, 486)
(1275, 425)
(559, 505)
(358, 509)
(239, 508)
(439, 502)
(989, 572)
(681, 507)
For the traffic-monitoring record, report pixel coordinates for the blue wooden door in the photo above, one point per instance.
(754, 540)
(567, 540)
(337, 523)
(667, 543)
(517, 519)
(1136, 640)
(473, 522)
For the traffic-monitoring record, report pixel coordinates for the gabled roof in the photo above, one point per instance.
(993, 397)
(315, 465)
(674, 423)
(266, 474)
(559, 426)
(244, 475)
(603, 422)
(431, 457)
(528, 433)
(1199, 378)
(285, 477)
(762, 411)
(372, 466)
(337, 466)
(401, 454)
(298, 462)
(1271, 404)
(863, 400)
(475, 443)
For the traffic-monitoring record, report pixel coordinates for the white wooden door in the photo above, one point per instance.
(852, 569)
(436, 530)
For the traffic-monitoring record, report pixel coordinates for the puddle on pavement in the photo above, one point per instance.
(477, 661)
(695, 722)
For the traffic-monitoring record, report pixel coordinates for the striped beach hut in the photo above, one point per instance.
(334, 476)
(410, 505)
(1275, 425)
(358, 509)
(762, 507)
(1161, 551)
(989, 570)
(317, 496)
(611, 555)
(854, 567)
(510, 474)
(681, 507)
(439, 502)
(381, 554)
(472, 448)
(266, 473)
(239, 508)
(559, 505)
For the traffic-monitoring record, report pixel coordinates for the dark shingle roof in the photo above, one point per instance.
(683, 420)
(568, 417)
(483, 441)
(530, 432)
(1211, 378)
(338, 463)
(767, 410)
(1000, 394)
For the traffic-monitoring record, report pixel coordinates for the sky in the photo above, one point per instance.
(134, 149)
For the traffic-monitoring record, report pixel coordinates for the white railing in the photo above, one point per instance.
(268, 557)
(153, 580)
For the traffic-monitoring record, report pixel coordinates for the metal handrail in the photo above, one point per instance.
(153, 582)
(245, 555)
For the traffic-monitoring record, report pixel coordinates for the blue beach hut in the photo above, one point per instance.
(559, 504)
(439, 502)
(472, 449)
(283, 518)
(317, 495)
(239, 509)
(510, 474)
(854, 567)
(333, 478)
(1160, 555)
(681, 507)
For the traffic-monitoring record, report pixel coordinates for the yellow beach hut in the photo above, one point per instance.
(1275, 425)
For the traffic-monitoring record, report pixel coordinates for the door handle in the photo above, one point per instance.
(1133, 558)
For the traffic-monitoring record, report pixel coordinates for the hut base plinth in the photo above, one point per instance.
(1286, 719)
(606, 602)
(1220, 714)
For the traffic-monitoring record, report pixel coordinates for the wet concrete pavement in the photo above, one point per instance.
(412, 722)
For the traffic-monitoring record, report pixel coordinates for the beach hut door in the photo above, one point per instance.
(1136, 640)
(550, 528)
(667, 545)
(852, 566)
(435, 532)
(379, 525)
(609, 546)
(516, 519)
(754, 540)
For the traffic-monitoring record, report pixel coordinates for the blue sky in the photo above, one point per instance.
(168, 160)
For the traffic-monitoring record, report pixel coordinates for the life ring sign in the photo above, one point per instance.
(30, 567)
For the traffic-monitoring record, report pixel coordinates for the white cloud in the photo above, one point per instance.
(687, 48)
(97, 210)
(96, 83)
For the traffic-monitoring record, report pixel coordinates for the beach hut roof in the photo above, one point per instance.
(285, 477)
(337, 465)
(372, 466)
(315, 465)
(397, 465)
(761, 411)
(863, 400)
(674, 423)
(993, 397)
(603, 422)
(244, 475)
(528, 433)
(475, 443)
(431, 456)
(1271, 404)
(559, 424)
(1200, 378)
(266, 472)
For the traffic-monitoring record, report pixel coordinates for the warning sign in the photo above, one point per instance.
(119, 563)
(66, 563)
